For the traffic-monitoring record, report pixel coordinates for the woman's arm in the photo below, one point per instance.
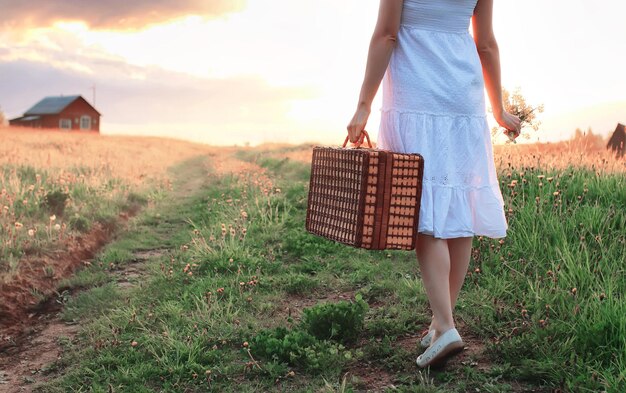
(381, 46)
(490, 58)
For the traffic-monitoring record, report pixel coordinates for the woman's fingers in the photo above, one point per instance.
(357, 124)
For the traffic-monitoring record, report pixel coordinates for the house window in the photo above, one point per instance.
(65, 124)
(85, 123)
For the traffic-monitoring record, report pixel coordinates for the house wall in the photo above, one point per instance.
(74, 111)
(32, 123)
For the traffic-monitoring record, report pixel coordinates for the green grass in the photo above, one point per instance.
(235, 323)
(40, 208)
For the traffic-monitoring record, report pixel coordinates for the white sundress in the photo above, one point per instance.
(434, 104)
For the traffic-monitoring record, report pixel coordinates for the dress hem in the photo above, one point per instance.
(492, 235)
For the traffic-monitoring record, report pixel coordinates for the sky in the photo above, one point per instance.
(227, 72)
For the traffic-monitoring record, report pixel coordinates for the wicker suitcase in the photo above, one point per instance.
(365, 197)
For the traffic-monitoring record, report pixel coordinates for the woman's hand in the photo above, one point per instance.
(357, 124)
(511, 122)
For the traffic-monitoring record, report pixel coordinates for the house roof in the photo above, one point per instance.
(51, 105)
(30, 118)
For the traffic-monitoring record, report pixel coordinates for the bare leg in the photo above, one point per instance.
(434, 261)
(460, 253)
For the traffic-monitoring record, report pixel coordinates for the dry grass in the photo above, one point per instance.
(133, 159)
(557, 156)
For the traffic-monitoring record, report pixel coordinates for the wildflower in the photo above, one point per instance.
(524, 313)
(220, 290)
(134, 344)
(57, 227)
(574, 290)
(25, 202)
(245, 344)
(18, 225)
(244, 215)
(230, 260)
(540, 177)
(602, 296)
(278, 190)
(53, 217)
(550, 179)
(31, 232)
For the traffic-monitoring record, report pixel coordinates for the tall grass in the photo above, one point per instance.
(547, 300)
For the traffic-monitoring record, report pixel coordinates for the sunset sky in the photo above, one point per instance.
(228, 72)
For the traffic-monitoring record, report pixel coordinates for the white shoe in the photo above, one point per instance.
(448, 344)
(425, 341)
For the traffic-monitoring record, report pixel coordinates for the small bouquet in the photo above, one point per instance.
(516, 105)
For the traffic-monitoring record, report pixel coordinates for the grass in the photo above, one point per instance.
(221, 308)
(41, 209)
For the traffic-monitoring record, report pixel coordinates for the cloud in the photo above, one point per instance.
(110, 14)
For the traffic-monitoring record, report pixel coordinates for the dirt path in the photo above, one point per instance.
(31, 339)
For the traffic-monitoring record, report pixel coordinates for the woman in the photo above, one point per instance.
(434, 74)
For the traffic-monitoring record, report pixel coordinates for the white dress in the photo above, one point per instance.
(434, 104)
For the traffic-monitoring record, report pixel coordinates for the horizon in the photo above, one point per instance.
(226, 74)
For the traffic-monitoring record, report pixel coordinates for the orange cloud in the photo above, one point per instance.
(110, 14)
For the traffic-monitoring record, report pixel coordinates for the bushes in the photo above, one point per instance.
(297, 348)
(316, 344)
(340, 321)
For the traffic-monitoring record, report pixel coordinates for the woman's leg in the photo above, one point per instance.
(434, 261)
(460, 253)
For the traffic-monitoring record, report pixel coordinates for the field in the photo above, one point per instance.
(201, 277)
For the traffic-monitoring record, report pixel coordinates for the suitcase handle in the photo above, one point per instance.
(363, 134)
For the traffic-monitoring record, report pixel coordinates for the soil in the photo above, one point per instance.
(30, 328)
(21, 305)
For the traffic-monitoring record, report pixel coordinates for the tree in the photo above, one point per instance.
(516, 105)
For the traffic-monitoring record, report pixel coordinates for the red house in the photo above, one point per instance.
(64, 112)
